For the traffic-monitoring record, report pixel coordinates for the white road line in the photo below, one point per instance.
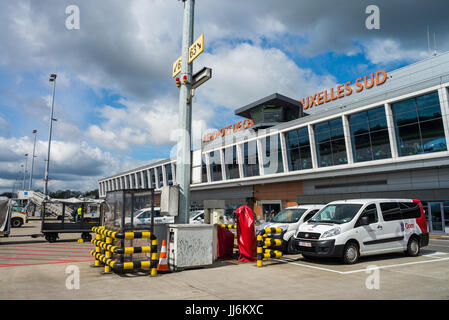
(365, 269)
(396, 265)
(305, 265)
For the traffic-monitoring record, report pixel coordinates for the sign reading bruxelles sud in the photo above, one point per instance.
(344, 90)
(245, 124)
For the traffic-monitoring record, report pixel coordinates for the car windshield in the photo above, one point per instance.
(146, 213)
(288, 215)
(193, 213)
(336, 213)
(136, 213)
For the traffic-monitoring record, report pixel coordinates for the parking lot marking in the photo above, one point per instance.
(396, 265)
(43, 246)
(304, 265)
(5, 265)
(36, 250)
(285, 260)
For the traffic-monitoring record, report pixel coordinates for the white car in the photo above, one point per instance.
(196, 217)
(289, 220)
(142, 218)
(349, 229)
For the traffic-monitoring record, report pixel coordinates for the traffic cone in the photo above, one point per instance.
(163, 265)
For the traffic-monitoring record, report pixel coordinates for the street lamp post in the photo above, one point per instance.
(25, 171)
(30, 186)
(52, 79)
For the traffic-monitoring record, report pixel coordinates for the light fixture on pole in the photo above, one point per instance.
(30, 186)
(52, 79)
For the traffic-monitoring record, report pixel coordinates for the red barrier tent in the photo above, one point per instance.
(246, 234)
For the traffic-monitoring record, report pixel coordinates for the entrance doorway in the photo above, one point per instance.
(270, 209)
(437, 214)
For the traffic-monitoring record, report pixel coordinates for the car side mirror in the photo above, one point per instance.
(364, 221)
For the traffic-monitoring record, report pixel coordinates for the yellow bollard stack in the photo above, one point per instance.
(264, 243)
(104, 251)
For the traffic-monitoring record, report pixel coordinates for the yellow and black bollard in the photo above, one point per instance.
(264, 242)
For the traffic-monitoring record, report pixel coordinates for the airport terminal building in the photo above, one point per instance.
(382, 135)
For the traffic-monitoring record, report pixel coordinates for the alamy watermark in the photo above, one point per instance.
(373, 280)
(72, 22)
(73, 280)
(373, 20)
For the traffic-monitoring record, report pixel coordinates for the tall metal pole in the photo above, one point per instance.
(25, 170)
(30, 186)
(52, 79)
(183, 160)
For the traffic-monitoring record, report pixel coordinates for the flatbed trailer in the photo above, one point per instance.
(51, 228)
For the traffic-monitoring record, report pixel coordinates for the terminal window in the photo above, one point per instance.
(153, 178)
(168, 174)
(231, 163)
(330, 143)
(160, 176)
(298, 149)
(419, 125)
(272, 155)
(203, 168)
(250, 159)
(215, 166)
(369, 135)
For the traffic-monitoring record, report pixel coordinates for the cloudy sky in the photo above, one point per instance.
(116, 103)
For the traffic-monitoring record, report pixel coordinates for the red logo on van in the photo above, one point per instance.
(409, 226)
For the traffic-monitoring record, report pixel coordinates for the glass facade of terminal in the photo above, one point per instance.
(250, 159)
(407, 127)
(419, 125)
(369, 135)
(153, 178)
(215, 166)
(203, 168)
(330, 143)
(160, 177)
(298, 149)
(272, 154)
(168, 174)
(231, 163)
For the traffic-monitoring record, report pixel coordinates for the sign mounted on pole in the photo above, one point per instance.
(196, 48)
(177, 67)
(194, 51)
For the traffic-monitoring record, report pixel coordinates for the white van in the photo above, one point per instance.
(289, 219)
(352, 228)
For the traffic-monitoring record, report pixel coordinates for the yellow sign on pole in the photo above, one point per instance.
(196, 48)
(194, 51)
(176, 67)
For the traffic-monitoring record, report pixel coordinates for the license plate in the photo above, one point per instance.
(305, 244)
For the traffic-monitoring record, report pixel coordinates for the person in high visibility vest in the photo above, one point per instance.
(79, 212)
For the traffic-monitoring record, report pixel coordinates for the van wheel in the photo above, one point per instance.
(351, 253)
(16, 222)
(413, 247)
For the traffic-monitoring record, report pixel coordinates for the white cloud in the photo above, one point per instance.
(72, 165)
(247, 73)
(384, 51)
